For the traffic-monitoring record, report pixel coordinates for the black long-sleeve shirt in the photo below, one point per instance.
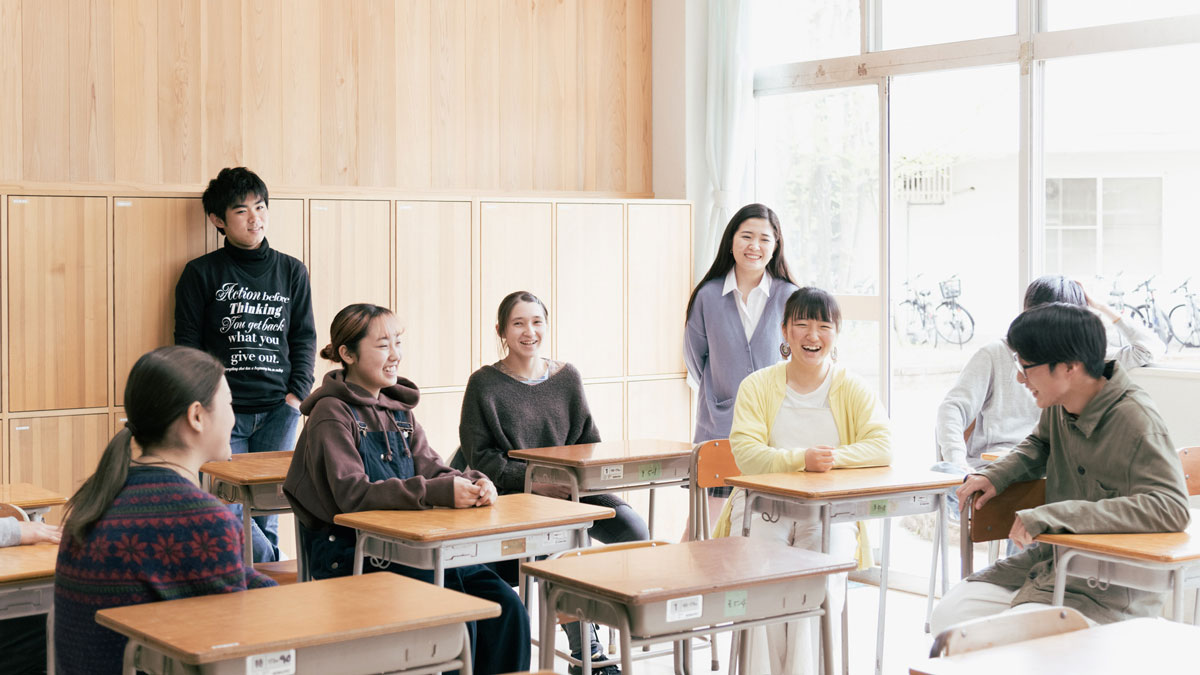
(253, 311)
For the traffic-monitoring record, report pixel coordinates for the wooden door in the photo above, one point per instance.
(515, 254)
(56, 453)
(660, 280)
(589, 325)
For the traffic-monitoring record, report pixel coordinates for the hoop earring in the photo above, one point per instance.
(833, 354)
(785, 350)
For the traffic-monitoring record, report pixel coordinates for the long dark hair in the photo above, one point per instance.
(724, 260)
(161, 387)
(505, 311)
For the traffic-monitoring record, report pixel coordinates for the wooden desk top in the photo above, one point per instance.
(28, 496)
(252, 468)
(606, 452)
(22, 563)
(645, 575)
(841, 483)
(509, 513)
(1164, 547)
(1134, 646)
(212, 628)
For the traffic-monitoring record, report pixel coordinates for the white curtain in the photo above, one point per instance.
(729, 122)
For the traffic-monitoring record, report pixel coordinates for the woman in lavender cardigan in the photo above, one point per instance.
(732, 320)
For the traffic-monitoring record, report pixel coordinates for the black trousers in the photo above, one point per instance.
(23, 645)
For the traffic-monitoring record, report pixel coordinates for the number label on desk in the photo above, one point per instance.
(735, 604)
(879, 507)
(612, 472)
(274, 663)
(679, 609)
(650, 471)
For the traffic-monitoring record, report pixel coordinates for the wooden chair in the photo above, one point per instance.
(995, 519)
(712, 463)
(13, 511)
(1003, 629)
(1190, 458)
(282, 571)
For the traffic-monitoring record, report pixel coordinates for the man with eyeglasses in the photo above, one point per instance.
(1109, 466)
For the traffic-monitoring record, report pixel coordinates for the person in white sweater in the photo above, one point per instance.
(23, 640)
(1003, 412)
(14, 532)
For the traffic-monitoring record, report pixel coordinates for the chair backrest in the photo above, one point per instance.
(13, 511)
(712, 463)
(1190, 458)
(1003, 629)
(995, 519)
(611, 547)
(937, 448)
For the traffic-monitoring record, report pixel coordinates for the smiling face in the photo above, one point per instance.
(1048, 387)
(245, 222)
(811, 340)
(373, 363)
(525, 329)
(753, 245)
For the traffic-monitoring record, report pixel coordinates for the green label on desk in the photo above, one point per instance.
(735, 603)
(879, 507)
(650, 471)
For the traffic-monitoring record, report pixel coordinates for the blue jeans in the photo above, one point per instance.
(267, 431)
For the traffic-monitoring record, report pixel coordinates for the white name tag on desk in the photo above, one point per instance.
(274, 663)
(679, 609)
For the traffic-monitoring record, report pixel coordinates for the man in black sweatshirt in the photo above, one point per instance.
(251, 307)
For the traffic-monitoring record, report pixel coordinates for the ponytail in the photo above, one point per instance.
(99, 491)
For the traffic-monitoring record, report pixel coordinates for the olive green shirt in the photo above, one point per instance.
(1111, 469)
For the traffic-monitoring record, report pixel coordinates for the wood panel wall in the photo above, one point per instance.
(513, 95)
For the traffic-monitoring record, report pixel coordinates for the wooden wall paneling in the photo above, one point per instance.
(588, 316)
(135, 74)
(374, 22)
(301, 92)
(413, 94)
(224, 144)
(286, 230)
(607, 403)
(433, 291)
(262, 86)
(153, 238)
(602, 52)
(4, 454)
(638, 119)
(515, 255)
(179, 93)
(660, 409)
(58, 300)
(487, 74)
(449, 95)
(57, 453)
(660, 281)
(517, 104)
(91, 77)
(350, 260)
(438, 414)
(45, 91)
(117, 420)
(11, 103)
(555, 150)
(339, 96)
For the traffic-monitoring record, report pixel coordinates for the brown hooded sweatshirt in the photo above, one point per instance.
(327, 477)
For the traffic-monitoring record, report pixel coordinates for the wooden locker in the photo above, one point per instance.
(514, 255)
(660, 409)
(606, 400)
(660, 281)
(589, 312)
(438, 414)
(56, 453)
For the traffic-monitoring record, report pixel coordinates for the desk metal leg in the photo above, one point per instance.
(247, 533)
(743, 657)
(50, 639)
(827, 634)
(650, 525)
(546, 614)
(939, 538)
(439, 570)
(748, 514)
(1177, 593)
(129, 664)
(1062, 559)
(360, 541)
(943, 522)
(465, 655)
(883, 586)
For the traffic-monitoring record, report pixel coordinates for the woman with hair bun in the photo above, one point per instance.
(362, 450)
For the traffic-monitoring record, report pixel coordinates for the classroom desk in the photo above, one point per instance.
(851, 495)
(609, 466)
(34, 500)
(329, 626)
(1134, 646)
(1158, 562)
(516, 526)
(680, 591)
(27, 587)
(254, 480)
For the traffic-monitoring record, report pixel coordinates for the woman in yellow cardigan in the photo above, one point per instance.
(804, 414)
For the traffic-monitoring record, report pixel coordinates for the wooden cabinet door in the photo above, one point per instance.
(286, 229)
(660, 409)
(433, 291)
(606, 400)
(153, 239)
(438, 414)
(589, 328)
(57, 453)
(58, 302)
(350, 261)
(514, 255)
(660, 280)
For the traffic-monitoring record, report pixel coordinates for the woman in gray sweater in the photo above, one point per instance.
(527, 401)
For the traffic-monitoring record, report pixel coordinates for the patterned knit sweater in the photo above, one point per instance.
(162, 538)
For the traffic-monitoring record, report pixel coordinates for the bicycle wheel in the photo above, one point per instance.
(954, 323)
(1184, 325)
(908, 325)
(1141, 314)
